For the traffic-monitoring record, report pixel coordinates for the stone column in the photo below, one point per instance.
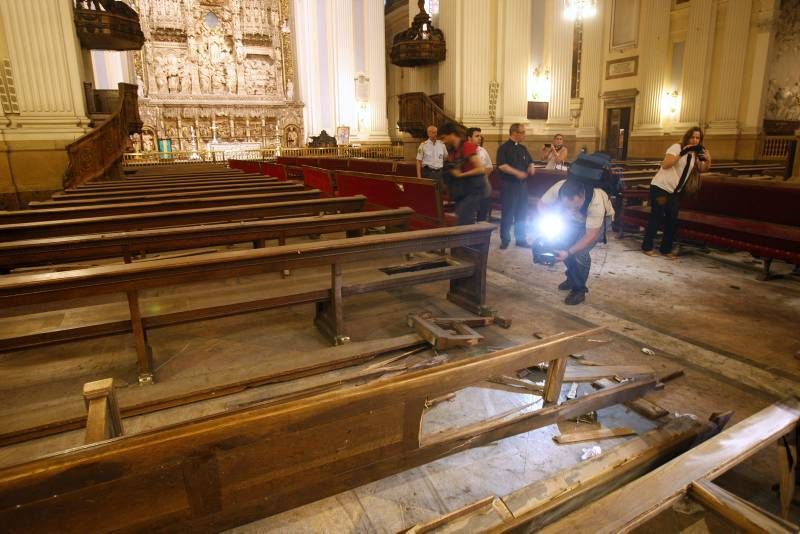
(514, 61)
(308, 42)
(342, 48)
(653, 49)
(697, 61)
(558, 116)
(724, 106)
(375, 61)
(47, 66)
(477, 67)
(591, 74)
(451, 69)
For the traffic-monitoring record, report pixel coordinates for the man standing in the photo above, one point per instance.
(475, 136)
(430, 156)
(515, 165)
(586, 212)
(463, 174)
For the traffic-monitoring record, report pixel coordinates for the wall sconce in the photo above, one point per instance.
(670, 103)
(539, 85)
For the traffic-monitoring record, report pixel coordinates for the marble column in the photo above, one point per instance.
(47, 68)
(342, 47)
(653, 49)
(308, 42)
(697, 61)
(514, 37)
(450, 70)
(477, 63)
(724, 105)
(558, 116)
(591, 74)
(375, 62)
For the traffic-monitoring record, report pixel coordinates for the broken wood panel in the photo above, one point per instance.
(643, 406)
(548, 499)
(589, 435)
(642, 499)
(741, 513)
(590, 373)
(264, 460)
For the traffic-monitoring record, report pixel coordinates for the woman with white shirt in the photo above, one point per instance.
(555, 154)
(667, 186)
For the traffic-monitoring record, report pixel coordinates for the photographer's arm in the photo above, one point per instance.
(588, 238)
(561, 155)
(669, 161)
(704, 166)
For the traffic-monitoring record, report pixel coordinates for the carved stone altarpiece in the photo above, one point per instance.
(216, 70)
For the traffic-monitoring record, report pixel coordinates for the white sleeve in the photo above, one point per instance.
(674, 150)
(551, 195)
(420, 154)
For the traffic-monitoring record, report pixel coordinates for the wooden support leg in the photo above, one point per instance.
(286, 273)
(103, 420)
(555, 376)
(144, 354)
(127, 256)
(470, 293)
(787, 470)
(765, 273)
(259, 243)
(330, 315)
(358, 232)
(412, 423)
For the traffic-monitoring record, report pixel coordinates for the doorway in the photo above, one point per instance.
(618, 128)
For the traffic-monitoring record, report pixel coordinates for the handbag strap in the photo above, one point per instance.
(686, 170)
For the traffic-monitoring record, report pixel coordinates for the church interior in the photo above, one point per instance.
(536, 266)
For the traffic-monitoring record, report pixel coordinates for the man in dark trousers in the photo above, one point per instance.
(463, 173)
(515, 165)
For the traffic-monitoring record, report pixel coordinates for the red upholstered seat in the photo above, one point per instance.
(385, 191)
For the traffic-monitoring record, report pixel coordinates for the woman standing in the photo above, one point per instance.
(555, 154)
(666, 187)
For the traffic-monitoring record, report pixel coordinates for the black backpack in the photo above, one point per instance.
(595, 171)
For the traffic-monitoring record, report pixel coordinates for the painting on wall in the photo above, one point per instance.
(343, 135)
(622, 68)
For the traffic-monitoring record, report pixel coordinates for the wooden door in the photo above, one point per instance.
(617, 132)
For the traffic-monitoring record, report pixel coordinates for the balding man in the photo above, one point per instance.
(430, 156)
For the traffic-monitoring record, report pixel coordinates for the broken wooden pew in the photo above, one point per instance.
(465, 267)
(141, 221)
(224, 470)
(15, 254)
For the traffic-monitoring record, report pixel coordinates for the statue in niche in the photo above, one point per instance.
(218, 80)
(230, 73)
(204, 72)
(290, 90)
(147, 143)
(161, 74)
(291, 136)
(256, 77)
(186, 78)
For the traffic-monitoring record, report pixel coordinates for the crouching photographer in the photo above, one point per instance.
(573, 216)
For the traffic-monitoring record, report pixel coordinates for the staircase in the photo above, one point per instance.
(418, 111)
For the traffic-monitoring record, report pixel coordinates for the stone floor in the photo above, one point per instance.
(736, 338)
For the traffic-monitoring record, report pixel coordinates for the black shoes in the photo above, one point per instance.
(575, 297)
(565, 285)
(503, 245)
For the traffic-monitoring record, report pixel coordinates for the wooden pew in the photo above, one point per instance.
(319, 178)
(465, 268)
(164, 189)
(422, 195)
(375, 166)
(102, 186)
(140, 221)
(274, 169)
(214, 473)
(102, 210)
(149, 196)
(103, 419)
(221, 172)
(406, 168)
(65, 249)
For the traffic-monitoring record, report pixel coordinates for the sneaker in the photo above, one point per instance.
(523, 244)
(575, 297)
(565, 285)
(503, 245)
(652, 253)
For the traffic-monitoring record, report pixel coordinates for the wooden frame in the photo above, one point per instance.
(213, 473)
(466, 271)
(628, 66)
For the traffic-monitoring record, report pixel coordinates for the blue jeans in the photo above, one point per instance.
(579, 264)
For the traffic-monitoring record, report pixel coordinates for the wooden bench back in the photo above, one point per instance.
(748, 199)
(422, 195)
(376, 166)
(319, 178)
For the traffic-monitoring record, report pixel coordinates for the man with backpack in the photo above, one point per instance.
(582, 205)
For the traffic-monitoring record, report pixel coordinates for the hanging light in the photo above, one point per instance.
(580, 9)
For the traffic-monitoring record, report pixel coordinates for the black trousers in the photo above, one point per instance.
(664, 209)
(514, 198)
(467, 208)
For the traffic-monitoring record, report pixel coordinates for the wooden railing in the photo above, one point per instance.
(114, 27)
(265, 154)
(777, 147)
(418, 111)
(98, 154)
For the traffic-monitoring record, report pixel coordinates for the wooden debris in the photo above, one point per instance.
(592, 435)
(590, 373)
(430, 403)
(642, 405)
(519, 383)
(573, 391)
(444, 332)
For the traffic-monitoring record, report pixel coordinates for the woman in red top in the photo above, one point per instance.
(463, 173)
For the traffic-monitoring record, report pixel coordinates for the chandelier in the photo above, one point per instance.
(579, 9)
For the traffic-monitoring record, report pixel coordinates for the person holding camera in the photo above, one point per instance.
(515, 165)
(584, 212)
(463, 173)
(555, 154)
(678, 174)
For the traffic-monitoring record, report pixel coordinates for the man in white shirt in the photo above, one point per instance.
(585, 221)
(475, 135)
(431, 155)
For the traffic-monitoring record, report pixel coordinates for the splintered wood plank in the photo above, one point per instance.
(643, 406)
(645, 497)
(590, 373)
(741, 513)
(589, 435)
